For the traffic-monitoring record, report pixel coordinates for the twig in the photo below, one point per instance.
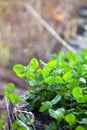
(26, 112)
(48, 27)
(32, 121)
(7, 106)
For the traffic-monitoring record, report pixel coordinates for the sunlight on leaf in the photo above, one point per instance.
(70, 119)
(77, 92)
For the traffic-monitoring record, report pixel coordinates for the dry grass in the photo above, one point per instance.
(4, 54)
(25, 35)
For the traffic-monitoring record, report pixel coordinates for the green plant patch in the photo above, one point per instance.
(57, 89)
(2, 121)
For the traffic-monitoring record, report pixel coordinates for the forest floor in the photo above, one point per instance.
(23, 37)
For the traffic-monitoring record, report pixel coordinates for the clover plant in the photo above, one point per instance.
(57, 88)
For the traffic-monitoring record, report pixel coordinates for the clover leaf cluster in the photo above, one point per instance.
(58, 89)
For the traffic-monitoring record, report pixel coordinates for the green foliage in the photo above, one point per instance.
(48, 104)
(83, 121)
(19, 70)
(2, 121)
(24, 122)
(13, 97)
(58, 89)
(16, 125)
(70, 119)
(58, 114)
(77, 92)
(52, 126)
(79, 128)
(67, 76)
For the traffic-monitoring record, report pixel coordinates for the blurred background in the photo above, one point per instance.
(23, 37)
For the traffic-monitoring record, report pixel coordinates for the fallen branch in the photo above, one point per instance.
(48, 27)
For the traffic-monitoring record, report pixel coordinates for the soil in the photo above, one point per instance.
(41, 120)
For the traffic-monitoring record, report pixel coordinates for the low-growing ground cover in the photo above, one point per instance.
(57, 89)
